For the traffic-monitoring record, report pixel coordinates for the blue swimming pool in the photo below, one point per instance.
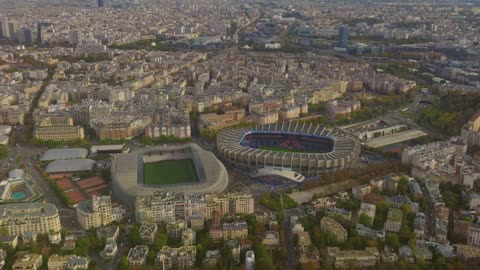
(18, 195)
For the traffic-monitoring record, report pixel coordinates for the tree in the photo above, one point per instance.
(405, 209)
(151, 257)
(82, 246)
(3, 230)
(160, 241)
(123, 265)
(365, 220)
(402, 187)
(404, 233)
(134, 237)
(263, 259)
(393, 241)
(227, 256)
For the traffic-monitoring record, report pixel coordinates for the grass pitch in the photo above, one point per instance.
(167, 172)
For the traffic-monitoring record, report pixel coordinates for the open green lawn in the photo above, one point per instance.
(288, 150)
(169, 172)
(277, 201)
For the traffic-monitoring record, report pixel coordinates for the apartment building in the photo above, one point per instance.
(331, 226)
(342, 259)
(189, 237)
(147, 232)
(263, 118)
(328, 90)
(235, 230)
(367, 210)
(175, 229)
(28, 261)
(58, 262)
(95, 213)
(176, 258)
(181, 131)
(57, 128)
(168, 206)
(59, 133)
(119, 127)
(230, 203)
(214, 121)
(471, 130)
(169, 123)
(36, 217)
(14, 115)
(394, 220)
(473, 237)
(137, 257)
(341, 109)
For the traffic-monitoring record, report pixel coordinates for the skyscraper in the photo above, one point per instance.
(25, 36)
(4, 29)
(12, 29)
(343, 37)
(75, 37)
(40, 25)
(1, 29)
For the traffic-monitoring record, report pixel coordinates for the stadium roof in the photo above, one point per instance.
(127, 174)
(113, 147)
(344, 145)
(64, 153)
(70, 165)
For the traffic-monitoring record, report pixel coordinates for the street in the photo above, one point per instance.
(288, 243)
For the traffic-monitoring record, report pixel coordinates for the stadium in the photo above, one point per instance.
(180, 168)
(305, 149)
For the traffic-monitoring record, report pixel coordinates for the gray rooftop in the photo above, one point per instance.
(64, 153)
(20, 210)
(70, 165)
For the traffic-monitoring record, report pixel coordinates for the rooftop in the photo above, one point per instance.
(22, 210)
(235, 226)
(333, 225)
(70, 165)
(137, 253)
(64, 153)
(395, 215)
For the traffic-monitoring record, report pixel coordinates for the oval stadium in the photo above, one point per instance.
(306, 149)
(180, 168)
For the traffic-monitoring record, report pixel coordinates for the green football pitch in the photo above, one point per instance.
(167, 172)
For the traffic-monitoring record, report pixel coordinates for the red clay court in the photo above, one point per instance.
(56, 176)
(65, 184)
(93, 193)
(75, 196)
(96, 188)
(90, 182)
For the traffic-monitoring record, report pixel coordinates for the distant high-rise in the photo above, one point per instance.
(25, 36)
(1, 29)
(40, 25)
(75, 37)
(12, 29)
(5, 32)
(343, 37)
(101, 3)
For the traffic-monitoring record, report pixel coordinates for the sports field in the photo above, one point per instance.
(167, 172)
(288, 150)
